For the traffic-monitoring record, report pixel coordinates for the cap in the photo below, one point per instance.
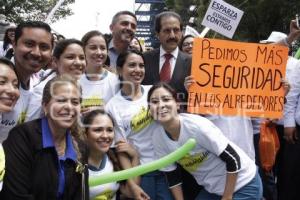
(274, 37)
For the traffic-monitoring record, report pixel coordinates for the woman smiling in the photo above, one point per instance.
(42, 156)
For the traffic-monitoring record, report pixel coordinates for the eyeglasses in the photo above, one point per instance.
(186, 44)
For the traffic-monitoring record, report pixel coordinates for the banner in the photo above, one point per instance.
(235, 78)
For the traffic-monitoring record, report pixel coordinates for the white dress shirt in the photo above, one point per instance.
(291, 108)
(162, 59)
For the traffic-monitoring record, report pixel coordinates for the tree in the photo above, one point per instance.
(21, 10)
(260, 18)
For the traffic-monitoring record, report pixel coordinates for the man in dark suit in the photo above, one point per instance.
(168, 28)
(171, 68)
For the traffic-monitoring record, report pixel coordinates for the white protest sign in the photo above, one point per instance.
(222, 17)
(191, 31)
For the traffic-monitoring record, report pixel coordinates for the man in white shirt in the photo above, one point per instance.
(32, 47)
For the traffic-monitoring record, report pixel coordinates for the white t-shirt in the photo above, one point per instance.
(98, 93)
(203, 162)
(105, 191)
(19, 113)
(238, 130)
(35, 103)
(133, 123)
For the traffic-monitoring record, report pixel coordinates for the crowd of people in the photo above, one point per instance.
(75, 109)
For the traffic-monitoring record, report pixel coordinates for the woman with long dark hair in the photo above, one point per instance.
(221, 167)
(134, 124)
(7, 48)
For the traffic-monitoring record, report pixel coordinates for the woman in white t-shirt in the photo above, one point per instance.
(9, 94)
(9, 86)
(217, 164)
(129, 108)
(98, 84)
(69, 58)
(99, 130)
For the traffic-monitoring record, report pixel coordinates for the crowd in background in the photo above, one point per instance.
(75, 109)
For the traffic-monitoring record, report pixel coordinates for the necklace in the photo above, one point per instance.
(61, 148)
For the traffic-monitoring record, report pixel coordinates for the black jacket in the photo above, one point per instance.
(182, 69)
(31, 171)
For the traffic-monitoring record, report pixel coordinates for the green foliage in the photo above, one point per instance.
(260, 18)
(21, 10)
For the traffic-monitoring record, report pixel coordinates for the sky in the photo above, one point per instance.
(90, 15)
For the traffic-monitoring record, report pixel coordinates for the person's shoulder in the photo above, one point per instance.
(112, 76)
(193, 120)
(26, 132)
(184, 55)
(31, 126)
(151, 52)
(115, 100)
(147, 88)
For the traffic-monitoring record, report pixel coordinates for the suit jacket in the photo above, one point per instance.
(182, 69)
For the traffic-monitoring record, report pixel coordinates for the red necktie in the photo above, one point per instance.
(165, 72)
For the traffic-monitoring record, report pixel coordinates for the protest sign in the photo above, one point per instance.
(222, 17)
(235, 78)
(191, 31)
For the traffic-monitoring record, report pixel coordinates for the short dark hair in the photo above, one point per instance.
(157, 22)
(32, 24)
(61, 46)
(124, 12)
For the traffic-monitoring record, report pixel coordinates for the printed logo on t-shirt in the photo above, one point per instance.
(192, 162)
(92, 101)
(7, 122)
(22, 117)
(105, 195)
(141, 120)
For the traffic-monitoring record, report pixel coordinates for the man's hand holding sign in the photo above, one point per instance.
(235, 78)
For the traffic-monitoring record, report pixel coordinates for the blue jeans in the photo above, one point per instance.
(155, 185)
(251, 191)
